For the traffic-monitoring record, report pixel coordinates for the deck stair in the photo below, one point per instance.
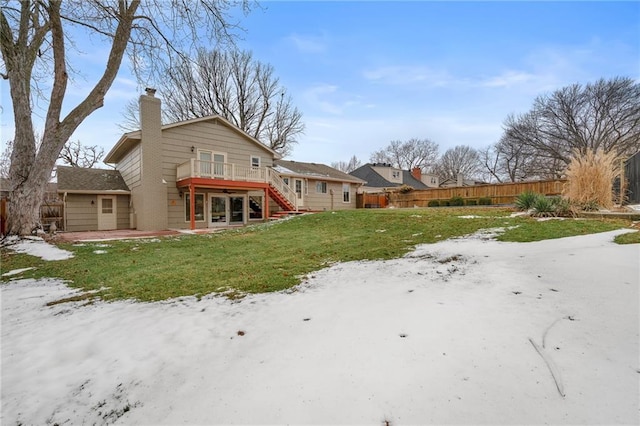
(281, 193)
(280, 199)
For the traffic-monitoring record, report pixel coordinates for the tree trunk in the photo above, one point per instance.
(24, 207)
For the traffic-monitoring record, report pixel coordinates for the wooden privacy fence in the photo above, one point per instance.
(371, 201)
(502, 193)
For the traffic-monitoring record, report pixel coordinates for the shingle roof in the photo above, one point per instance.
(408, 179)
(313, 170)
(89, 180)
(375, 180)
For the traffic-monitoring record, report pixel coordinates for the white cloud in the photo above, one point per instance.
(409, 75)
(508, 79)
(308, 43)
(327, 98)
(335, 138)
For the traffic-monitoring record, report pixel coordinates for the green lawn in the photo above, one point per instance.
(271, 257)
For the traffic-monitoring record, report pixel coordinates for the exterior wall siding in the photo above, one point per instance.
(130, 168)
(205, 135)
(122, 211)
(82, 215)
(314, 200)
(81, 212)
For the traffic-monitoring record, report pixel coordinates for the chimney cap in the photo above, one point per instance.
(150, 91)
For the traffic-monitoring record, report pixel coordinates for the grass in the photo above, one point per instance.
(277, 256)
(630, 238)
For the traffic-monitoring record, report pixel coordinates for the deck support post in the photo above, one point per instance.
(192, 206)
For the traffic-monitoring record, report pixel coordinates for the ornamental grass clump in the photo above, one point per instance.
(543, 207)
(590, 179)
(525, 200)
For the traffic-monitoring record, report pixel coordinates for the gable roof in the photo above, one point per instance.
(408, 179)
(128, 140)
(375, 179)
(313, 170)
(90, 181)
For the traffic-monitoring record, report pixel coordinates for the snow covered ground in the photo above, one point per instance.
(447, 334)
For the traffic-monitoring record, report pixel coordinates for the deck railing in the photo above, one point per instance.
(284, 189)
(229, 171)
(224, 171)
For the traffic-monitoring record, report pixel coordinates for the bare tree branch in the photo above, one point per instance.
(604, 115)
(35, 37)
(75, 154)
(406, 155)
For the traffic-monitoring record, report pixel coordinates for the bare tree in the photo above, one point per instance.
(604, 115)
(5, 160)
(234, 86)
(75, 154)
(406, 155)
(35, 39)
(347, 166)
(131, 116)
(460, 160)
(510, 161)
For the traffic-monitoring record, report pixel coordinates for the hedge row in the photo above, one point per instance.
(459, 201)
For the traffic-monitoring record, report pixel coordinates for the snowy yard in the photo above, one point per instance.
(442, 335)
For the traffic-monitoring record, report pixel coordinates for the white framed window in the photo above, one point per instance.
(346, 193)
(107, 205)
(255, 161)
(198, 207)
(286, 180)
(395, 174)
(306, 187)
(321, 187)
(211, 162)
(298, 188)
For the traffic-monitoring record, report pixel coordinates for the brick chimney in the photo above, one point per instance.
(416, 172)
(150, 202)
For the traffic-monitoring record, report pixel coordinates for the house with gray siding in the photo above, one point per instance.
(319, 187)
(195, 174)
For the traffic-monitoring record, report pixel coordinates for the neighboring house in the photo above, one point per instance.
(94, 199)
(319, 187)
(381, 176)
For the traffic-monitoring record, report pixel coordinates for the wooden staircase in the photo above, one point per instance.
(281, 193)
(280, 199)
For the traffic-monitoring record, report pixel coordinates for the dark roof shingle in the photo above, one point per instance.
(375, 180)
(81, 179)
(314, 170)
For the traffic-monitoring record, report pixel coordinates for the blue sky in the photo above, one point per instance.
(366, 73)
